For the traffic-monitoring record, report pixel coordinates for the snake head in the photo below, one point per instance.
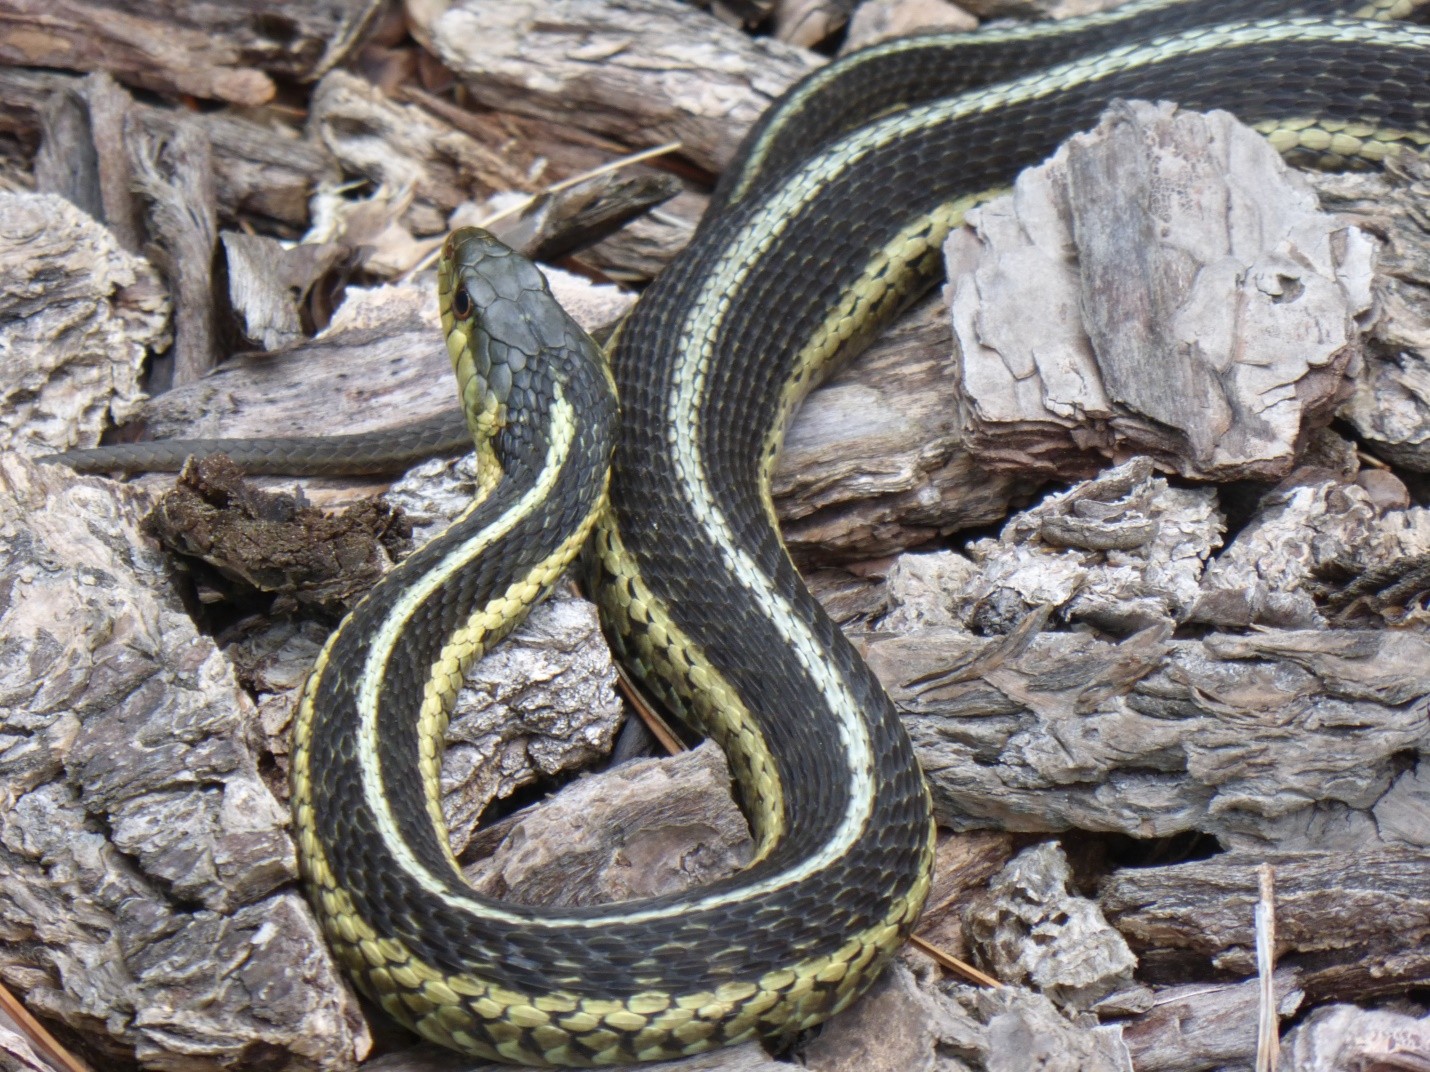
(513, 348)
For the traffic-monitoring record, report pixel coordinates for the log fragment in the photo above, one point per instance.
(404, 146)
(875, 461)
(84, 158)
(1390, 409)
(217, 52)
(646, 828)
(1203, 1026)
(1218, 306)
(1291, 740)
(1342, 1036)
(635, 70)
(903, 1022)
(879, 20)
(262, 166)
(268, 283)
(1366, 939)
(173, 170)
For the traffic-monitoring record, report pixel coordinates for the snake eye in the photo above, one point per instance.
(461, 304)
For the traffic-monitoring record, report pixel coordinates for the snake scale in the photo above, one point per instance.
(828, 223)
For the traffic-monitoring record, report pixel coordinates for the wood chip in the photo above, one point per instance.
(1370, 935)
(1032, 929)
(182, 49)
(660, 79)
(77, 316)
(1218, 305)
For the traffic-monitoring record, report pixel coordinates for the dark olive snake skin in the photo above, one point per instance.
(827, 228)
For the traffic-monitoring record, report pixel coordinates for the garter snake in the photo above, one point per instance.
(813, 249)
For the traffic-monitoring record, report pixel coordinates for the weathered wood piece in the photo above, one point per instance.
(153, 184)
(1122, 552)
(875, 462)
(879, 20)
(215, 51)
(543, 705)
(84, 157)
(268, 283)
(636, 70)
(643, 829)
(173, 170)
(898, 1024)
(809, 23)
(963, 864)
(1288, 739)
(1342, 1036)
(144, 864)
(1032, 929)
(1218, 306)
(1203, 1026)
(16, 1052)
(1321, 553)
(1353, 926)
(380, 363)
(1390, 409)
(575, 216)
(639, 251)
(264, 167)
(77, 314)
(1025, 1028)
(406, 147)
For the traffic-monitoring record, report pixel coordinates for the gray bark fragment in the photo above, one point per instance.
(1025, 1030)
(875, 461)
(542, 704)
(1032, 929)
(405, 147)
(1391, 404)
(1122, 552)
(645, 828)
(634, 69)
(1203, 1026)
(267, 284)
(898, 1024)
(1164, 285)
(1370, 935)
(143, 861)
(1344, 1037)
(78, 314)
(1285, 740)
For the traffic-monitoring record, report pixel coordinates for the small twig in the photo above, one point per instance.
(523, 205)
(45, 1044)
(953, 964)
(664, 735)
(1268, 1028)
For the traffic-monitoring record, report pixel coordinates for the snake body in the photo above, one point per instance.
(826, 229)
